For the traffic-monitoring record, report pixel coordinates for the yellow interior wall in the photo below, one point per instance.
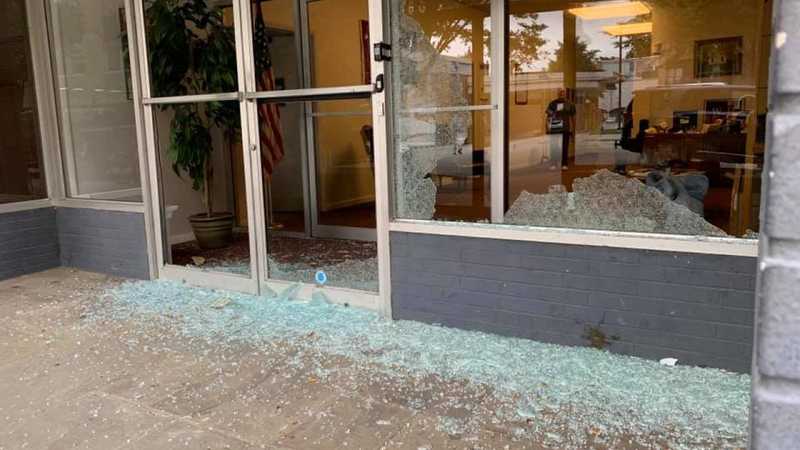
(344, 175)
(528, 120)
(677, 25)
(279, 14)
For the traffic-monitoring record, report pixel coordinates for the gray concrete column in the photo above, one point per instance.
(775, 415)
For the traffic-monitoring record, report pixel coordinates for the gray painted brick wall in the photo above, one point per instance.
(775, 415)
(110, 242)
(694, 307)
(28, 242)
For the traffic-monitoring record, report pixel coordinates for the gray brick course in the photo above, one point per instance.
(28, 242)
(110, 242)
(696, 307)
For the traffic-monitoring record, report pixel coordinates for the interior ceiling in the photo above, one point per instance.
(533, 6)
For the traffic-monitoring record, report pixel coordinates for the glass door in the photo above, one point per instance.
(313, 130)
(192, 76)
(265, 145)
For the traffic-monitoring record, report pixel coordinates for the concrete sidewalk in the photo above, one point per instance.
(71, 378)
(64, 385)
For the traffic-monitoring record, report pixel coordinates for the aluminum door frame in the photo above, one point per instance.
(380, 301)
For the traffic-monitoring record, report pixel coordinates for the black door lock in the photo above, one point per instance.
(379, 84)
(382, 51)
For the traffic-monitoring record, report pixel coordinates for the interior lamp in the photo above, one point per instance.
(628, 29)
(610, 10)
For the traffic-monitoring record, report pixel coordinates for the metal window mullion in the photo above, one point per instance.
(310, 152)
(381, 164)
(498, 95)
(45, 100)
(299, 13)
(198, 98)
(313, 94)
(243, 40)
(251, 147)
(342, 114)
(155, 205)
(63, 126)
(141, 135)
(442, 109)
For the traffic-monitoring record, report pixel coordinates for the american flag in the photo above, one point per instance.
(270, 132)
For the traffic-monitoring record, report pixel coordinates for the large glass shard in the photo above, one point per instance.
(609, 201)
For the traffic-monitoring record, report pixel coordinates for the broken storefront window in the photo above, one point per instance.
(625, 118)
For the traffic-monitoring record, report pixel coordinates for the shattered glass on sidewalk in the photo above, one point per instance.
(568, 397)
(609, 201)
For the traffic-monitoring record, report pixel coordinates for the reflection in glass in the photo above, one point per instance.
(345, 163)
(441, 74)
(21, 169)
(203, 186)
(275, 39)
(643, 116)
(338, 40)
(337, 37)
(665, 132)
(95, 99)
(282, 167)
(340, 141)
(536, 75)
(191, 47)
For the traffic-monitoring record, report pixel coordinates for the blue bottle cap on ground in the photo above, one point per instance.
(320, 277)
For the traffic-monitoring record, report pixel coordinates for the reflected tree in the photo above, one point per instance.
(587, 60)
(636, 45)
(525, 40)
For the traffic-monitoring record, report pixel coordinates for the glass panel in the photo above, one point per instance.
(536, 76)
(345, 163)
(339, 50)
(95, 97)
(441, 70)
(340, 131)
(275, 45)
(203, 186)
(191, 47)
(656, 116)
(21, 169)
(285, 188)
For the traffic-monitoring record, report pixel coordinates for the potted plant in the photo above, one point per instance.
(191, 51)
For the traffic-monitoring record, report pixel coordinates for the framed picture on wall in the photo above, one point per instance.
(718, 57)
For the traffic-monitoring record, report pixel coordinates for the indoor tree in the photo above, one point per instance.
(192, 51)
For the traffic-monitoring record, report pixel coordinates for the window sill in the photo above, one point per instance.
(25, 206)
(107, 205)
(620, 239)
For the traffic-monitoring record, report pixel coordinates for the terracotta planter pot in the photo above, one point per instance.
(212, 232)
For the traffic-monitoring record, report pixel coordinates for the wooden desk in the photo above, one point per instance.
(662, 147)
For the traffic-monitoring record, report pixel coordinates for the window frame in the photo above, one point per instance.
(734, 246)
(49, 123)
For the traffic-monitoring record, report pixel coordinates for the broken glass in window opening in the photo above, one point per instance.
(441, 86)
(670, 98)
(609, 201)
